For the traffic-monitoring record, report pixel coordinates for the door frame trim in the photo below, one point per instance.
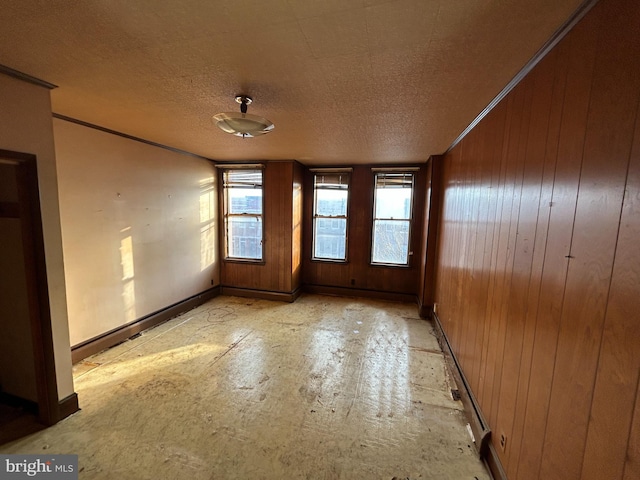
(37, 284)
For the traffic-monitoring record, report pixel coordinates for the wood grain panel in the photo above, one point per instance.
(610, 129)
(296, 236)
(275, 273)
(619, 362)
(492, 322)
(503, 408)
(448, 244)
(539, 316)
(632, 463)
(551, 78)
(516, 350)
(427, 257)
(517, 131)
(495, 126)
(474, 254)
(574, 69)
(357, 273)
(462, 244)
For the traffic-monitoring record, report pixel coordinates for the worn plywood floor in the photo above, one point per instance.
(323, 388)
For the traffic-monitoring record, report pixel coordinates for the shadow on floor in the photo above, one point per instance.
(17, 421)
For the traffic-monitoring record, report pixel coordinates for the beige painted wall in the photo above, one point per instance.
(138, 227)
(25, 126)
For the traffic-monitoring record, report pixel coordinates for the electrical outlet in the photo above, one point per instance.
(503, 442)
(435, 308)
(353, 281)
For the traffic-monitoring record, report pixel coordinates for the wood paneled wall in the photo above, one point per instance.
(538, 263)
(357, 273)
(297, 208)
(431, 215)
(282, 183)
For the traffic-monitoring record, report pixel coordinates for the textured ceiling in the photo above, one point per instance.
(344, 81)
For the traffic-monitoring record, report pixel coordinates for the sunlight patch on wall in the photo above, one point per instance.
(207, 200)
(207, 223)
(296, 258)
(128, 274)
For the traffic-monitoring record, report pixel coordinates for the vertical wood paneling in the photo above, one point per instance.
(516, 146)
(448, 242)
(462, 243)
(296, 238)
(619, 363)
(275, 274)
(538, 284)
(493, 321)
(427, 251)
(502, 408)
(357, 272)
(632, 463)
(472, 215)
(555, 77)
(610, 128)
(431, 218)
(575, 69)
(496, 127)
(516, 350)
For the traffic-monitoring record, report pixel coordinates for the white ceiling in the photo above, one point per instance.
(344, 81)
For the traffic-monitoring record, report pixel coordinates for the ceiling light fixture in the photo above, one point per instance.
(242, 124)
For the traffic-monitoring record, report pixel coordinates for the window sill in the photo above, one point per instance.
(389, 265)
(329, 260)
(248, 261)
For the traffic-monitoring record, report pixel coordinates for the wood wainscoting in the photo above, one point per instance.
(537, 278)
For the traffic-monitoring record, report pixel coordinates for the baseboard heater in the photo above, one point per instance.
(124, 332)
(477, 423)
(359, 292)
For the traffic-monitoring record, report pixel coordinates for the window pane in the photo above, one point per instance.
(245, 237)
(394, 180)
(331, 202)
(393, 203)
(332, 180)
(391, 242)
(246, 178)
(331, 238)
(244, 200)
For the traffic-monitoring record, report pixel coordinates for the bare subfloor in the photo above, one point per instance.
(323, 388)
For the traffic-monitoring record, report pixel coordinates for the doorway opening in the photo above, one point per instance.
(28, 391)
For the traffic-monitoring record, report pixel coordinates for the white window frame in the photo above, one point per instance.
(344, 174)
(226, 187)
(399, 175)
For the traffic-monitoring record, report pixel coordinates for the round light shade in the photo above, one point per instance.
(242, 124)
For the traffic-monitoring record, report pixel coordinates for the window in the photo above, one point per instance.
(331, 195)
(243, 213)
(392, 218)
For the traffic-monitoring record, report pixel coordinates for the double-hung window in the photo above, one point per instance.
(330, 201)
(243, 213)
(393, 199)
